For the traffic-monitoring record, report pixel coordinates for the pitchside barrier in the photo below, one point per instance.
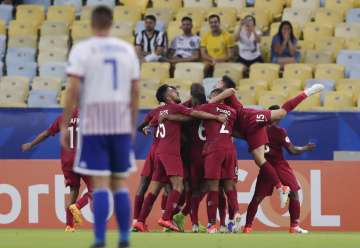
(32, 192)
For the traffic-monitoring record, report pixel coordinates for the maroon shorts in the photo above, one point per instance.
(72, 179)
(286, 175)
(197, 171)
(149, 164)
(220, 164)
(167, 165)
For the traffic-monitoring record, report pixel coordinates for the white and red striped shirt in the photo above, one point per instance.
(107, 66)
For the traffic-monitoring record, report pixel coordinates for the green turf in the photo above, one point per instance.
(21, 238)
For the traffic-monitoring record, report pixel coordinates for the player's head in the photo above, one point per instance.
(215, 92)
(197, 92)
(101, 20)
(275, 107)
(214, 22)
(167, 94)
(150, 22)
(225, 83)
(186, 25)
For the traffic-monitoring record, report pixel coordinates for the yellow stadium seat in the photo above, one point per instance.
(353, 44)
(46, 83)
(347, 30)
(2, 27)
(338, 100)
(148, 99)
(155, 70)
(192, 71)
(64, 13)
(333, 44)
(328, 17)
(357, 3)
(181, 84)
(130, 39)
(263, 17)
(138, 4)
(329, 71)
(275, 28)
(274, 6)
(288, 89)
(268, 72)
(12, 99)
(22, 41)
(227, 15)
(127, 13)
(270, 98)
(349, 85)
(339, 5)
(62, 98)
(171, 4)
(30, 12)
(265, 47)
(318, 57)
(17, 28)
(80, 30)
(149, 84)
(164, 15)
(305, 45)
(53, 42)
(298, 16)
(122, 29)
(173, 30)
(246, 97)
(15, 83)
(302, 72)
(54, 28)
(198, 3)
(293, 83)
(314, 31)
(311, 5)
(56, 55)
(197, 15)
(86, 11)
(238, 4)
(257, 86)
(310, 103)
(233, 70)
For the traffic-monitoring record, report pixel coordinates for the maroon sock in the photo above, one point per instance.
(195, 203)
(270, 174)
(83, 200)
(163, 201)
(294, 210)
(187, 209)
(138, 202)
(180, 204)
(69, 218)
(171, 204)
(212, 205)
(251, 212)
(294, 102)
(147, 206)
(222, 207)
(233, 203)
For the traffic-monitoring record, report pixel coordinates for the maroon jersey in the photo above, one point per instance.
(148, 119)
(169, 132)
(278, 139)
(218, 135)
(67, 155)
(233, 102)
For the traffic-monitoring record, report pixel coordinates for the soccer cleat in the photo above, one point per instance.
(237, 224)
(284, 192)
(195, 228)
(124, 244)
(140, 227)
(223, 229)
(316, 88)
(230, 226)
(179, 220)
(76, 213)
(247, 230)
(202, 229)
(69, 229)
(100, 245)
(168, 224)
(212, 228)
(298, 230)
(167, 230)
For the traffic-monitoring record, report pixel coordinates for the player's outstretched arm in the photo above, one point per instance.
(223, 95)
(176, 117)
(40, 138)
(297, 150)
(207, 116)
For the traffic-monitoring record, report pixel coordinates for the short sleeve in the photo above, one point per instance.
(160, 40)
(204, 41)
(138, 39)
(77, 59)
(230, 42)
(55, 127)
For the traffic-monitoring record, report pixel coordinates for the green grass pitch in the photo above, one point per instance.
(27, 238)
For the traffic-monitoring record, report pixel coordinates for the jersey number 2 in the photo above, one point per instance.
(113, 64)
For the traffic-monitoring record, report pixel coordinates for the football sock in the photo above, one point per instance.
(251, 212)
(270, 174)
(233, 203)
(195, 203)
(69, 218)
(123, 213)
(171, 204)
(294, 210)
(294, 102)
(147, 206)
(180, 204)
(163, 201)
(101, 211)
(83, 200)
(222, 208)
(187, 209)
(212, 205)
(138, 203)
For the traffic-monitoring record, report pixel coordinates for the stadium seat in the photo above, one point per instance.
(77, 4)
(349, 85)
(246, 97)
(274, 6)
(56, 55)
(274, 28)
(149, 84)
(46, 83)
(122, 29)
(138, 4)
(238, 4)
(293, 83)
(12, 99)
(18, 55)
(311, 103)
(263, 17)
(196, 14)
(86, 11)
(264, 71)
(210, 84)
(298, 16)
(328, 17)
(171, 4)
(302, 72)
(329, 71)
(80, 30)
(165, 15)
(30, 13)
(54, 42)
(182, 85)
(192, 71)
(353, 16)
(45, 3)
(2, 28)
(2, 46)
(155, 70)
(348, 58)
(148, 99)
(6, 12)
(355, 72)
(353, 44)
(65, 14)
(43, 99)
(20, 28)
(15, 84)
(289, 90)
(127, 13)
(314, 31)
(256, 85)
(54, 28)
(173, 30)
(22, 41)
(270, 98)
(329, 85)
(140, 26)
(26, 69)
(233, 70)
(338, 100)
(347, 30)
(265, 47)
(333, 44)
(108, 3)
(311, 5)
(228, 16)
(198, 3)
(318, 57)
(53, 69)
(339, 5)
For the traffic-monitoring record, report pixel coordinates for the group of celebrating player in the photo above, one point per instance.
(193, 155)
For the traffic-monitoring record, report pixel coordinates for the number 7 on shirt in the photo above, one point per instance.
(113, 64)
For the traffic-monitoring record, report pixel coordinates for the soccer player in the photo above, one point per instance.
(279, 139)
(104, 78)
(252, 125)
(72, 179)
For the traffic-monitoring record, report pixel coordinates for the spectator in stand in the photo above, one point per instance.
(283, 46)
(150, 43)
(216, 45)
(248, 41)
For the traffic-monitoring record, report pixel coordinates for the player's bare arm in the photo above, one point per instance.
(175, 117)
(40, 138)
(135, 92)
(297, 150)
(223, 95)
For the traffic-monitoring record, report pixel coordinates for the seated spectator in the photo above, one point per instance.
(150, 43)
(185, 47)
(248, 41)
(216, 45)
(283, 46)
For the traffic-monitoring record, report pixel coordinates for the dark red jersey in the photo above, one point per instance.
(278, 139)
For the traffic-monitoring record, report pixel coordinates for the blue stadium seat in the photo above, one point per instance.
(328, 84)
(140, 26)
(53, 69)
(18, 55)
(355, 72)
(6, 12)
(109, 3)
(76, 3)
(2, 46)
(348, 58)
(45, 3)
(26, 69)
(43, 98)
(209, 84)
(353, 15)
